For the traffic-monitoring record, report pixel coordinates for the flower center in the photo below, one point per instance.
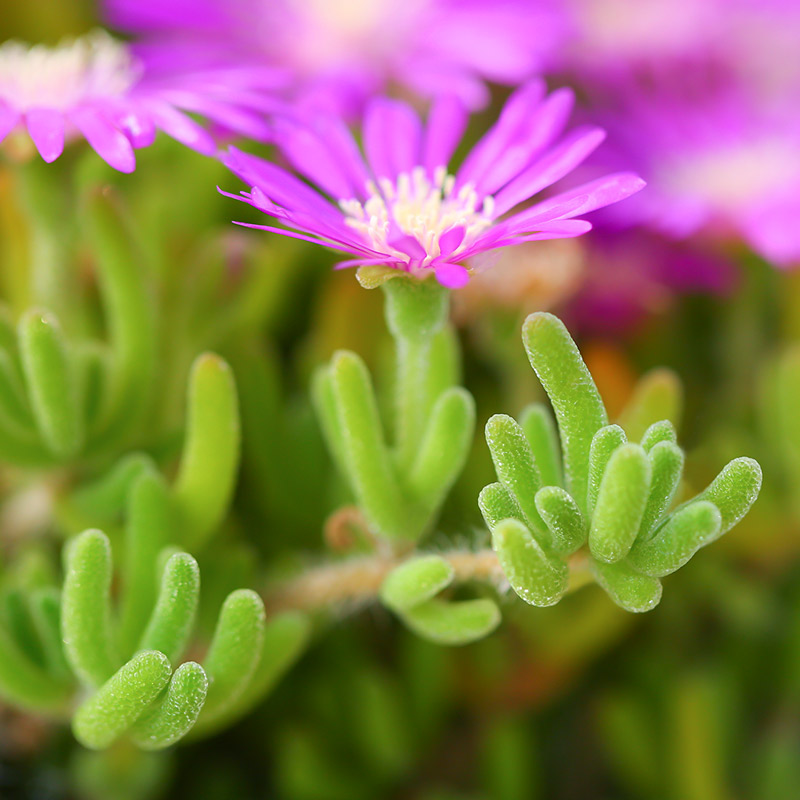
(420, 208)
(75, 71)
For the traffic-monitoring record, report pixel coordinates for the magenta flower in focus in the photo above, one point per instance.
(400, 207)
(93, 87)
(341, 53)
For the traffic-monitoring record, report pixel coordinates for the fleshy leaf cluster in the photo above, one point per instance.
(587, 484)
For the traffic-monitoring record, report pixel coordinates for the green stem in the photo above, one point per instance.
(415, 312)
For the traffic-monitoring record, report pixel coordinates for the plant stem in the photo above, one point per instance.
(357, 581)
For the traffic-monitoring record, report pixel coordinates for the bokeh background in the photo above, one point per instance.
(698, 700)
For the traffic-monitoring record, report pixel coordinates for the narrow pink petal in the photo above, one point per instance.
(553, 166)
(310, 155)
(46, 128)
(109, 143)
(182, 128)
(137, 126)
(446, 124)
(451, 239)
(409, 245)
(519, 107)
(536, 133)
(452, 276)
(9, 118)
(392, 138)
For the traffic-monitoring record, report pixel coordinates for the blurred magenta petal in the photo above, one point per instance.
(108, 142)
(46, 128)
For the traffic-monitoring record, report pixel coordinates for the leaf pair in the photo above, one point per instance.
(203, 488)
(400, 489)
(411, 590)
(138, 693)
(59, 397)
(614, 494)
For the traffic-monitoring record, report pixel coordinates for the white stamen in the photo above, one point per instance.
(92, 67)
(420, 208)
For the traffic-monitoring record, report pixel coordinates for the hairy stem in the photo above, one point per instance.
(357, 581)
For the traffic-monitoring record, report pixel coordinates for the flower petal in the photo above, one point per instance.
(182, 128)
(553, 166)
(392, 138)
(453, 276)
(109, 143)
(46, 128)
(9, 118)
(451, 239)
(446, 124)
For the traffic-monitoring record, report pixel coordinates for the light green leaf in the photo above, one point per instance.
(121, 700)
(173, 616)
(210, 459)
(604, 444)
(666, 462)
(620, 504)
(415, 582)
(86, 608)
(579, 410)
(539, 579)
(51, 383)
(658, 396)
(174, 715)
(678, 539)
(453, 623)
(542, 435)
(496, 504)
(626, 587)
(563, 517)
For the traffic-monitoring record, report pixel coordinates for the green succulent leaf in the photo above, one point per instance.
(734, 491)
(542, 435)
(121, 700)
(234, 652)
(538, 578)
(620, 504)
(563, 517)
(677, 540)
(51, 382)
(627, 588)
(604, 443)
(666, 462)
(209, 465)
(415, 582)
(577, 404)
(443, 449)
(171, 623)
(173, 716)
(658, 396)
(150, 525)
(662, 431)
(453, 623)
(497, 504)
(86, 608)
(516, 468)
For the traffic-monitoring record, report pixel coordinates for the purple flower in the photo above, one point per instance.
(93, 87)
(341, 53)
(400, 207)
(721, 165)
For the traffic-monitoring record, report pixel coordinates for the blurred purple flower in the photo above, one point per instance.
(722, 165)
(401, 208)
(94, 87)
(341, 53)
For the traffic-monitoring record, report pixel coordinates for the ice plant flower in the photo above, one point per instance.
(399, 205)
(94, 87)
(341, 53)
